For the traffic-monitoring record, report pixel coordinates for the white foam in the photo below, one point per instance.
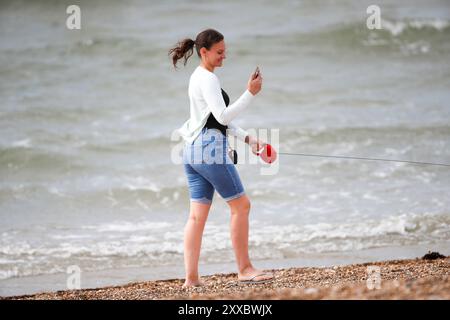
(25, 143)
(141, 184)
(415, 47)
(124, 226)
(70, 236)
(142, 204)
(398, 27)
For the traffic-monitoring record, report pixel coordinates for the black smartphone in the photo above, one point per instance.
(256, 74)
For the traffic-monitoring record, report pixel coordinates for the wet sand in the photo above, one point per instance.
(398, 279)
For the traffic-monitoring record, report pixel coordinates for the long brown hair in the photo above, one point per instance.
(185, 48)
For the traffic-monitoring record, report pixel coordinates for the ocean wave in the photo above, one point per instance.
(129, 144)
(110, 45)
(22, 154)
(417, 36)
(129, 227)
(288, 134)
(391, 140)
(396, 28)
(145, 197)
(144, 243)
(118, 193)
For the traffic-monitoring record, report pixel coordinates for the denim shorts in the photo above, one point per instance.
(208, 167)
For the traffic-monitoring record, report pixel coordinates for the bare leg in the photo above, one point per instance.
(193, 233)
(240, 209)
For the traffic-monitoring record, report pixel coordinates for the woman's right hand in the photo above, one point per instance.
(256, 144)
(255, 83)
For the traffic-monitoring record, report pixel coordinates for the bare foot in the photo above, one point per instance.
(255, 275)
(192, 284)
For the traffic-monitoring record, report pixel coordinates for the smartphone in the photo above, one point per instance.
(256, 74)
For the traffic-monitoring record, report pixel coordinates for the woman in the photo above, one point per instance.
(205, 134)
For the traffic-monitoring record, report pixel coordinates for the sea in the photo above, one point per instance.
(87, 116)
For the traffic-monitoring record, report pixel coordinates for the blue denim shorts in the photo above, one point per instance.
(208, 167)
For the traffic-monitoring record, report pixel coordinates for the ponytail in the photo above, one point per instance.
(184, 49)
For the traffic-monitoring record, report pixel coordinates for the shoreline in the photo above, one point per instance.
(35, 284)
(398, 279)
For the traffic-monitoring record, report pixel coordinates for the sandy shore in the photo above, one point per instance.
(398, 279)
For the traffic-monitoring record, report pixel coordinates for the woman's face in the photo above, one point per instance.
(215, 55)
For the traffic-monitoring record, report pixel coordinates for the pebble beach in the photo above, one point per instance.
(421, 278)
(92, 180)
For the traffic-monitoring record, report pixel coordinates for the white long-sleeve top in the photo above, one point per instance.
(205, 96)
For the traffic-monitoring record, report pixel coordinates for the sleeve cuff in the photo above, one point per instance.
(248, 93)
(237, 132)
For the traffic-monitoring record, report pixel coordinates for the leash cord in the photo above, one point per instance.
(362, 158)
